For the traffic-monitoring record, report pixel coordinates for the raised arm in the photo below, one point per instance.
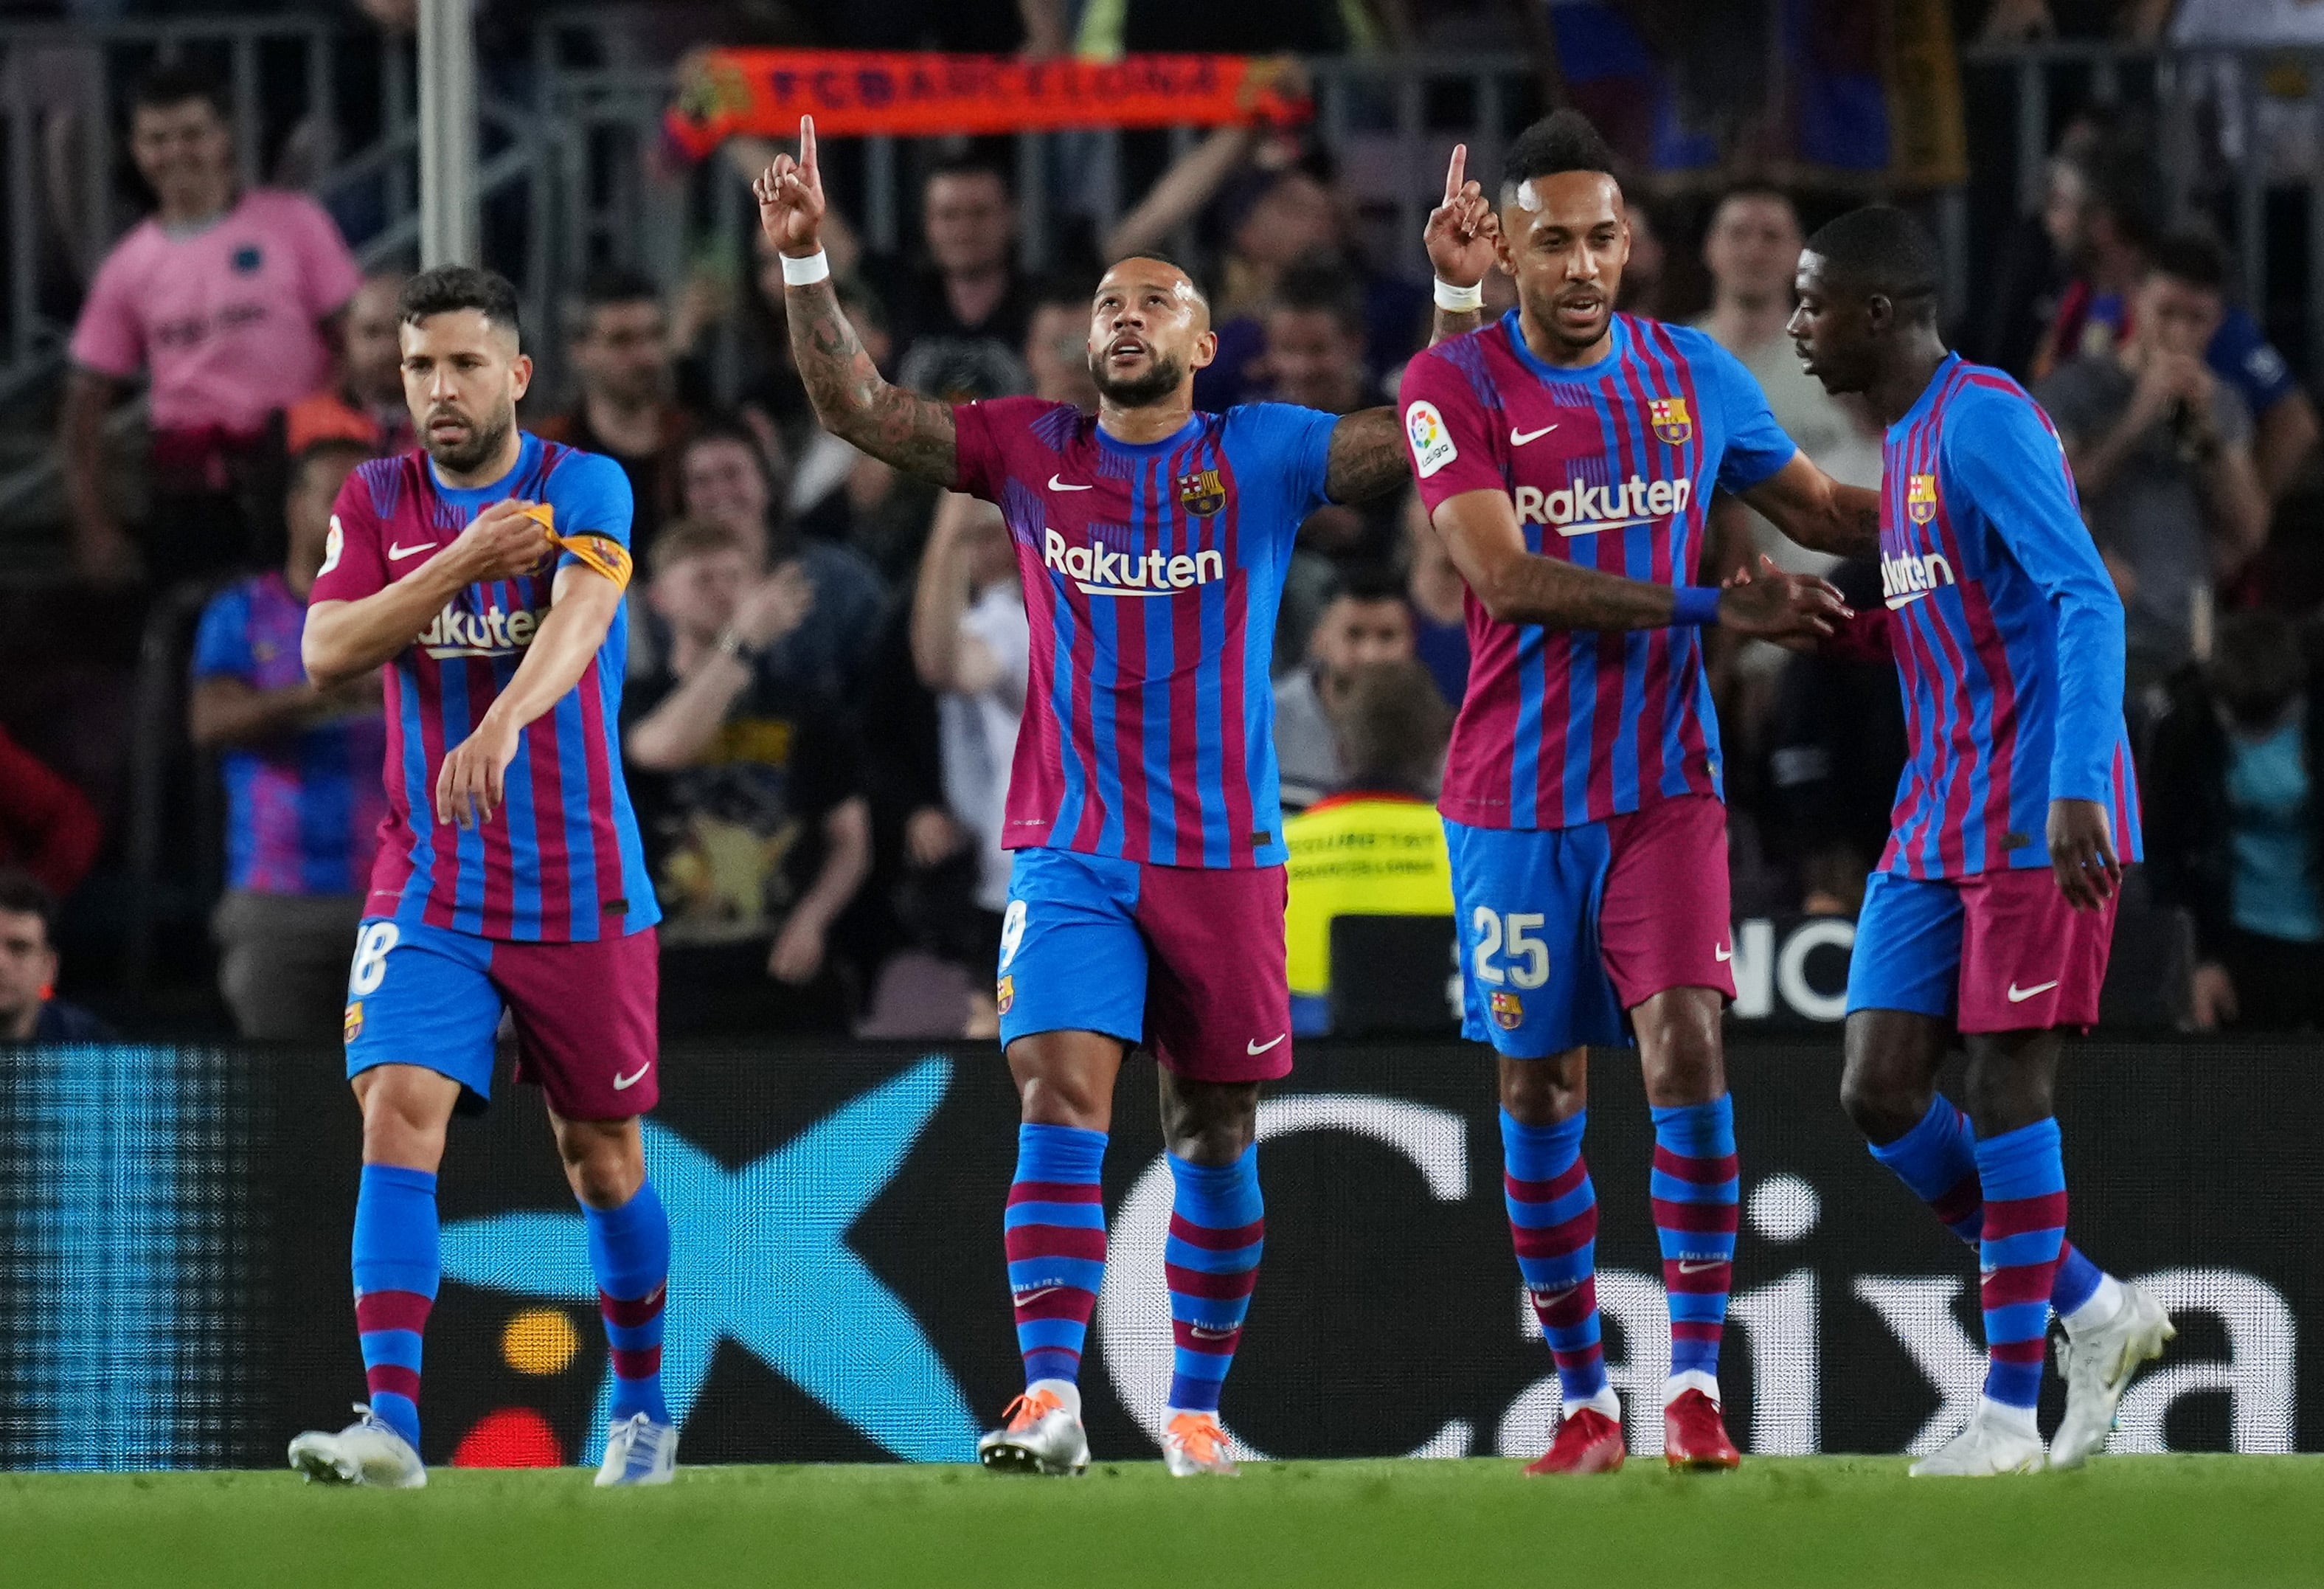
(1817, 510)
(852, 399)
(1180, 193)
(1518, 586)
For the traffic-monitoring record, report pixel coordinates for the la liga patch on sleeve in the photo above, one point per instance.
(1431, 443)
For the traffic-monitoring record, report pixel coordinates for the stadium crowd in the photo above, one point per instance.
(830, 658)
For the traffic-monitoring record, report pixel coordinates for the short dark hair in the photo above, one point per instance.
(2193, 257)
(731, 427)
(316, 453)
(2121, 179)
(23, 894)
(971, 165)
(1394, 724)
(166, 86)
(2257, 663)
(450, 289)
(1882, 249)
(606, 287)
(1323, 285)
(1561, 140)
(1369, 582)
(1768, 190)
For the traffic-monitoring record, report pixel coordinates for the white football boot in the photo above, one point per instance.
(1194, 1445)
(2097, 1366)
(1998, 1440)
(1038, 1435)
(366, 1452)
(637, 1451)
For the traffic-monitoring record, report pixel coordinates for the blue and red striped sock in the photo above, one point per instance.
(629, 1252)
(2024, 1174)
(1055, 1230)
(1937, 1158)
(1554, 1221)
(397, 1263)
(1695, 1190)
(1218, 1228)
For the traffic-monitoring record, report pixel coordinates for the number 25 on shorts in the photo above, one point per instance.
(1507, 949)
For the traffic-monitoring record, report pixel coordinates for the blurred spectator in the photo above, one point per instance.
(301, 769)
(2161, 450)
(2235, 829)
(2093, 220)
(839, 494)
(629, 408)
(1315, 328)
(47, 826)
(1439, 599)
(1642, 273)
(227, 301)
(750, 800)
(960, 324)
(30, 1010)
(365, 404)
(1366, 620)
(2015, 308)
(972, 645)
(1057, 344)
(726, 479)
(1375, 847)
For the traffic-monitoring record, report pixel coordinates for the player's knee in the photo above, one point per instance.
(403, 1124)
(1881, 1104)
(1543, 1091)
(1209, 1123)
(605, 1165)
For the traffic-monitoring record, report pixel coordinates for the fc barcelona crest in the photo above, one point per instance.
(1670, 419)
(354, 1022)
(1921, 498)
(1508, 1011)
(1200, 493)
(1004, 994)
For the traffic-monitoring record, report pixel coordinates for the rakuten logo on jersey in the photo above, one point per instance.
(1100, 570)
(492, 632)
(1577, 508)
(1905, 579)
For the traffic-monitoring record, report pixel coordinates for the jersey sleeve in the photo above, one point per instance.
(1757, 447)
(2241, 355)
(109, 338)
(592, 497)
(222, 642)
(1448, 432)
(2015, 470)
(1300, 438)
(355, 564)
(982, 433)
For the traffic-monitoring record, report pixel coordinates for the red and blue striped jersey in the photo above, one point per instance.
(2006, 630)
(560, 862)
(1609, 466)
(1152, 576)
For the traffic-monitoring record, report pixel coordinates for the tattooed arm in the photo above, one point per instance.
(852, 399)
(1515, 586)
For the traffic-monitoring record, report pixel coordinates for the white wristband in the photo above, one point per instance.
(807, 271)
(1459, 301)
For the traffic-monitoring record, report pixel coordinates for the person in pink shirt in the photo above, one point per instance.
(228, 301)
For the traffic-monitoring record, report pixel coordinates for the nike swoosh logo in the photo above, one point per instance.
(1687, 1266)
(1723, 954)
(2018, 996)
(1549, 1298)
(1519, 437)
(394, 552)
(1057, 484)
(1204, 1332)
(623, 1084)
(1256, 1047)
(1024, 1297)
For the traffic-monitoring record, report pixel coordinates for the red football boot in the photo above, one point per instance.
(1587, 1442)
(1694, 1437)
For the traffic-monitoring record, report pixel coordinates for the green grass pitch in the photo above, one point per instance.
(1852, 1522)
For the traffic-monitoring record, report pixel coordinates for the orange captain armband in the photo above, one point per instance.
(599, 551)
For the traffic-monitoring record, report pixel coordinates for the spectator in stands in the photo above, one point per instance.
(365, 404)
(629, 408)
(1642, 274)
(2161, 450)
(1315, 327)
(960, 324)
(2235, 829)
(301, 769)
(1439, 599)
(30, 1010)
(1057, 344)
(837, 600)
(228, 301)
(972, 645)
(1374, 846)
(1366, 620)
(47, 826)
(750, 800)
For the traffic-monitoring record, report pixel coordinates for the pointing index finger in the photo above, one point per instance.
(807, 147)
(1456, 175)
